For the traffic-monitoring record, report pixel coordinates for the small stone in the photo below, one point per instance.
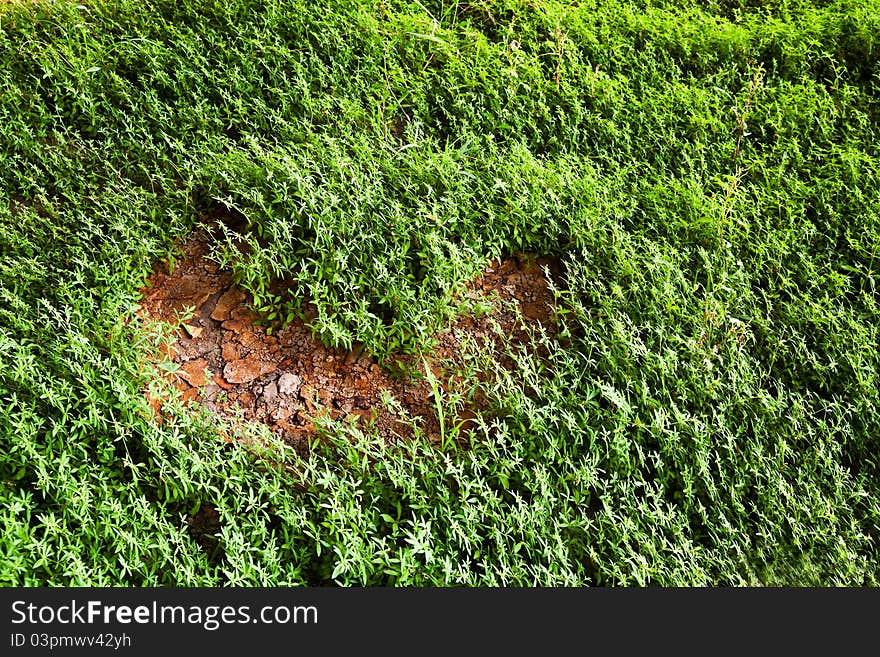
(243, 314)
(289, 384)
(211, 392)
(192, 331)
(194, 372)
(195, 348)
(229, 351)
(309, 394)
(190, 395)
(234, 325)
(246, 401)
(270, 392)
(354, 354)
(246, 370)
(365, 414)
(280, 413)
(249, 339)
(225, 304)
(221, 382)
(188, 290)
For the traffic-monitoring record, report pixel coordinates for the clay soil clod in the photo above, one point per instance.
(286, 378)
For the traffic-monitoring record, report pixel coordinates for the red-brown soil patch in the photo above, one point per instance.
(286, 378)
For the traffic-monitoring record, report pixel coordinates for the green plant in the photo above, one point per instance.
(707, 415)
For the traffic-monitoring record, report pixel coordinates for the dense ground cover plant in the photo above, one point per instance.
(709, 179)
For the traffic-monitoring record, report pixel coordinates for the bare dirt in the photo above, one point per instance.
(286, 378)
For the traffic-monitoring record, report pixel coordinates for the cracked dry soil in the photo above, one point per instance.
(287, 378)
